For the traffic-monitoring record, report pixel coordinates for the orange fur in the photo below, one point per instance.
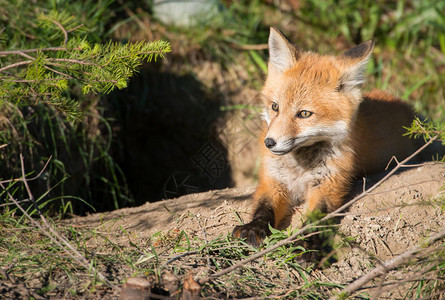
(320, 133)
(378, 132)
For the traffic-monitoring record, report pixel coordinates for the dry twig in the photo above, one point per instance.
(65, 33)
(385, 267)
(49, 231)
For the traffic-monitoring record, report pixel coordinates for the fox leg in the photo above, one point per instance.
(328, 195)
(273, 206)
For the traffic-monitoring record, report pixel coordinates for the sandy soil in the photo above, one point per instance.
(392, 219)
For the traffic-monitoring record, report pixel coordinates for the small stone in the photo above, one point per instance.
(191, 288)
(170, 282)
(139, 282)
(136, 288)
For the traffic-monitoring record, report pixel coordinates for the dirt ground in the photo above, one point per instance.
(393, 218)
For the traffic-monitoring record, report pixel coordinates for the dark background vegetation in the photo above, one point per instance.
(132, 144)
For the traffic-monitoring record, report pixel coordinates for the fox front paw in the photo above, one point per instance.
(254, 232)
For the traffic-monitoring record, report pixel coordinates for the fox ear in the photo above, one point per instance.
(355, 61)
(282, 54)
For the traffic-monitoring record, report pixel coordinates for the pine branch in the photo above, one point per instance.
(10, 52)
(74, 61)
(46, 74)
(15, 65)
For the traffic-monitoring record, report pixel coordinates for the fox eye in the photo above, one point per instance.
(275, 106)
(304, 114)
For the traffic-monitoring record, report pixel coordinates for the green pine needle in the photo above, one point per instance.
(29, 76)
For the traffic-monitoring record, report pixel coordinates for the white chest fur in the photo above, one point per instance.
(297, 172)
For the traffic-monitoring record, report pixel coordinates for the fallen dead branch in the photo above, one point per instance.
(385, 267)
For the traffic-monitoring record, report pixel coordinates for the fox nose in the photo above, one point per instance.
(269, 142)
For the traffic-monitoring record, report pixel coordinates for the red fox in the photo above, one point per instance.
(321, 133)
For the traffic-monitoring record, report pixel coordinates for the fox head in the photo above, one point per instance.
(309, 97)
